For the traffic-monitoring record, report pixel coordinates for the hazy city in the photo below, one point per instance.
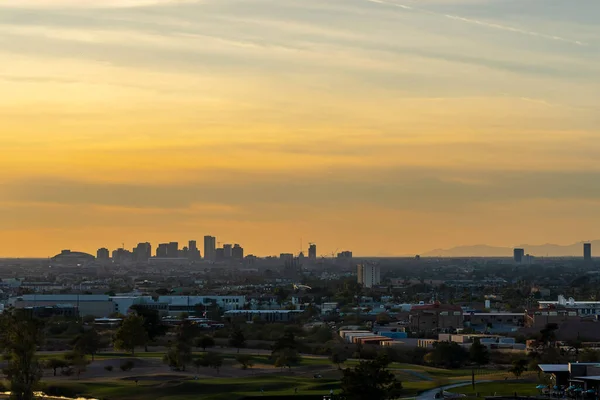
(299, 199)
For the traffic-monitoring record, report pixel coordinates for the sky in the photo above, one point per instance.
(382, 127)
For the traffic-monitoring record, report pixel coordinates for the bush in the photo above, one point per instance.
(127, 366)
(108, 368)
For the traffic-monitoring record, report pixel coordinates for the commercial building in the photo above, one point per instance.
(173, 250)
(103, 305)
(264, 315)
(142, 252)
(103, 254)
(587, 251)
(227, 251)
(72, 258)
(435, 317)
(237, 253)
(162, 250)
(518, 255)
(312, 252)
(210, 246)
(193, 252)
(369, 274)
(344, 254)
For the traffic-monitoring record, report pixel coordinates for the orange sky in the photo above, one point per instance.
(386, 128)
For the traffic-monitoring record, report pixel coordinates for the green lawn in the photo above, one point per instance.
(499, 388)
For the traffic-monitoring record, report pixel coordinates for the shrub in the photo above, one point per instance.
(109, 368)
(127, 365)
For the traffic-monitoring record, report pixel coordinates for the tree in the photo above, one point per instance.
(448, 355)
(383, 318)
(478, 353)
(205, 342)
(76, 359)
(180, 352)
(370, 380)
(20, 335)
(152, 323)
(590, 355)
(245, 360)
(56, 363)
(518, 367)
(88, 342)
(213, 360)
(237, 339)
(131, 334)
(338, 356)
(287, 358)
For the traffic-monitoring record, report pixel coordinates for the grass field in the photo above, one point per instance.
(498, 388)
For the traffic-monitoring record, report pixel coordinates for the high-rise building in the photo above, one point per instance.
(219, 254)
(237, 253)
(142, 252)
(210, 246)
(587, 251)
(103, 254)
(162, 250)
(368, 274)
(173, 250)
(312, 252)
(193, 252)
(344, 254)
(227, 251)
(518, 255)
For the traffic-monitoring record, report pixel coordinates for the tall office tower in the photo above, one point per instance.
(237, 252)
(162, 250)
(103, 254)
(193, 252)
(227, 250)
(142, 252)
(518, 255)
(312, 252)
(219, 254)
(210, 247)
(173, 250)
(368, 274)
(345, 254)
(587, 251)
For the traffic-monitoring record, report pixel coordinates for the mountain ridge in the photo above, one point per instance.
(543, 250)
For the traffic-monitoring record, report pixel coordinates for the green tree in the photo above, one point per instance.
(20, 335)
(383, 318)
(180, 352)
(287, 358)
(237, 339)
(77, 361)
(131, 334)
(56, 363)
(88, 342)
(370, 380)
(245, 360)
(448, 355)
(478, 353)
(205, 342)
(338, 356)
(213, 360)
(518, 367)
(589, 355)
(152, 323)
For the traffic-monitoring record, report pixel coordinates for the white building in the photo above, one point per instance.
(368, 274)
(582, 308)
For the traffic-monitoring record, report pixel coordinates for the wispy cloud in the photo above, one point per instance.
(89, 3)
(482, 23)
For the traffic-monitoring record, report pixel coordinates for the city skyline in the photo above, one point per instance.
(386, 127)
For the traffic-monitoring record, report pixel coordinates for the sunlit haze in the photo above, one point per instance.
(381, 127)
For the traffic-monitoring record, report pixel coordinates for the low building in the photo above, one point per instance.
(435, 317)
(264, 315)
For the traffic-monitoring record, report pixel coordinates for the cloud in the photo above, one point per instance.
(483, 23)
(90, 3)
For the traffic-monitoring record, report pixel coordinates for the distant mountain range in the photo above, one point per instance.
(544, 250)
